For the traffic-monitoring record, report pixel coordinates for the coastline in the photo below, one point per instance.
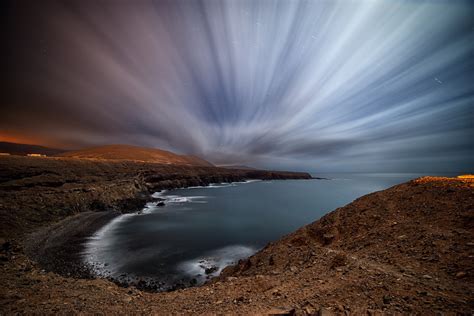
(406, 249)
(38, 191)
(403, 250)
(57, 203)
(58, 247)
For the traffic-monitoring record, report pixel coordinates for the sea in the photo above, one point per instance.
(201, 230)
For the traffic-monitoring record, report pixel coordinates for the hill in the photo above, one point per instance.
(135, 153)
(196, 161)
(25, 149)
(242, 167)
(404, 250)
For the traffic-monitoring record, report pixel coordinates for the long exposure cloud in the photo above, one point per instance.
(336, 85)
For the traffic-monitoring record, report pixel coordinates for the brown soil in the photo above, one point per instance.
(408, 249)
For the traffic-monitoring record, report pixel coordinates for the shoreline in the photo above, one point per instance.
(58, 247)
(403, 250)
(37, 192)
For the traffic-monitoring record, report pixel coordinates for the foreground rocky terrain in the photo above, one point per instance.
(408, 249)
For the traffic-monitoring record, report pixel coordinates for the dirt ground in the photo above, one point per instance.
(405, 250)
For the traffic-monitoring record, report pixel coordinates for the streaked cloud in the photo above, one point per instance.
(338, 85)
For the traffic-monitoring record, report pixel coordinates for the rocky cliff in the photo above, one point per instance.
(36, 191)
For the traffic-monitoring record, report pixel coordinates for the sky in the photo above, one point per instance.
(360, 86)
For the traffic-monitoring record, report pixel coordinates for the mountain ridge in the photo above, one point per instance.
(136, 153)
(24, 149)
(108, 152)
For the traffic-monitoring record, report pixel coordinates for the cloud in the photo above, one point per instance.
(264, 82)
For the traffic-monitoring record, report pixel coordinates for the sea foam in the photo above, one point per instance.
(214, 261)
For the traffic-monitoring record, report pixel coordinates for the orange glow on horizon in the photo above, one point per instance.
(11, 137)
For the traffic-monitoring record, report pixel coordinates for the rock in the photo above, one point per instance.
(387, 299)
(339, 260)
(161, 203)
(461, 274)
(328, 238)
(309, 310)
(271, 261)
(6, 245)
(210, 270)
(239, 299)
(281, 311)
(426, 276)
(324, 312)
(247, 264)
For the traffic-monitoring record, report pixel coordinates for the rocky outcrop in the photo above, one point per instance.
(156, 182)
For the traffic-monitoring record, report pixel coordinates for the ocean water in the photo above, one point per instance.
(201, 230)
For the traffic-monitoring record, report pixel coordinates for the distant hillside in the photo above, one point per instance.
(24, 149)
(242, 167)
(128, 152)
(197, 161)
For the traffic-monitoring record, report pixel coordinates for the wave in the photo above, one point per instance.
(97, 248)
(99, 243)
(221, 184)
(190, 199)
(185, 199)
(149, 207)
(248, 181)
(212, 263)
(162, 194)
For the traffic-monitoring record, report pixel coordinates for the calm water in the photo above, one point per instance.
(209, 228)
